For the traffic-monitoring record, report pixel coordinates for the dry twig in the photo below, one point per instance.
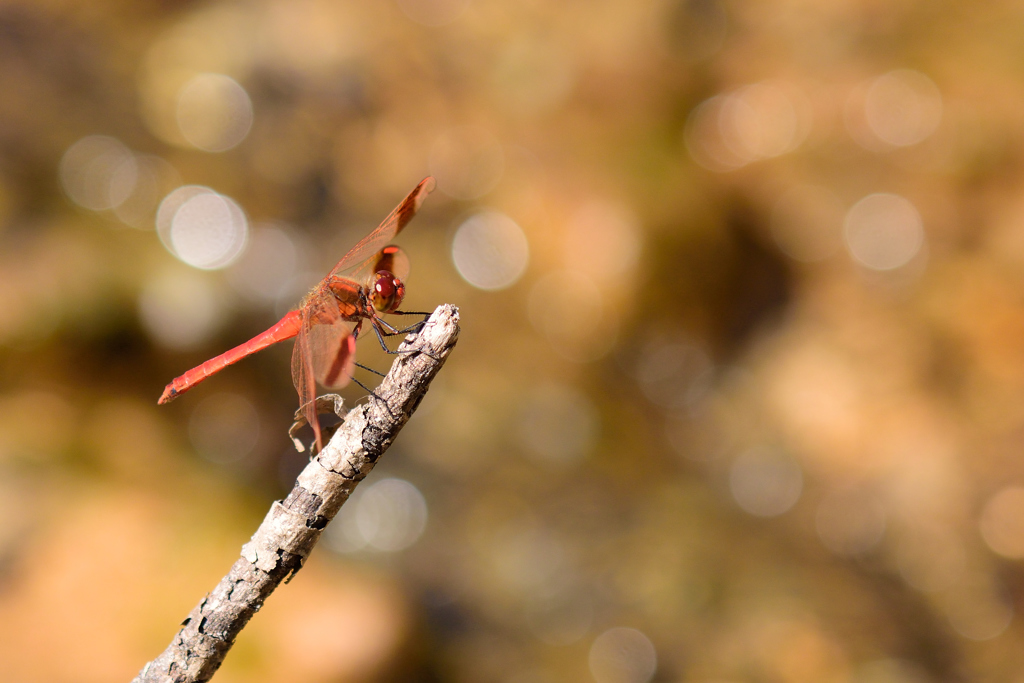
(293, 526)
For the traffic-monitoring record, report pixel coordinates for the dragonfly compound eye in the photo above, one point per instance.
(388, 292)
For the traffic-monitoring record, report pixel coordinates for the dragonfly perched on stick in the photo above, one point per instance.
(366, 284)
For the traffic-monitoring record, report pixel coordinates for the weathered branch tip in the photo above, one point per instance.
(292, 527)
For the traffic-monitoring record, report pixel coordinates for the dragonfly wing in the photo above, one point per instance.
(392, 259)
(333, 351)
(303, 378)
(324, 352)
(371, 244)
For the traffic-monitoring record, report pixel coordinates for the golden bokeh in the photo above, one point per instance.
(740, 390)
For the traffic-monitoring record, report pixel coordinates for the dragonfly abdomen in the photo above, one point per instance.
(286, 328)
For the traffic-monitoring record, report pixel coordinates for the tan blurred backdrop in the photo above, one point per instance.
(740, 390)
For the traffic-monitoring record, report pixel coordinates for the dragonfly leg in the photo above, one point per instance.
(370, 392)
(415, 327)
(369, 369)
(381, 335)
(393, 331)
(390, 329)
(367, 389)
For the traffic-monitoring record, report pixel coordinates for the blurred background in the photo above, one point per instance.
(740, 389)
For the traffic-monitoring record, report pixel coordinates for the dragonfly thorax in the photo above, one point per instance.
(338, 296)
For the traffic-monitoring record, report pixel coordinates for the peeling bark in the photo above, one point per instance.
(293, 526)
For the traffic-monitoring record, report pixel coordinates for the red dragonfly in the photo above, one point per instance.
(366, 283)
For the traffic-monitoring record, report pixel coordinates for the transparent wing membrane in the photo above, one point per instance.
(333, 350)
(305, 385)
(362, 256)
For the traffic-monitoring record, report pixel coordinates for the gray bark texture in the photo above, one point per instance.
(293, 526)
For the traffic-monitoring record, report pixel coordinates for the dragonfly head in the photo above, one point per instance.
(386, 291)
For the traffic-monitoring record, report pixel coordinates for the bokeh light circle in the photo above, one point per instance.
(1002, 522)
(622, 655)
(674, 374)
(387, 516)
(139, 185)
(765, 482)
(490, 251)
(883, 231)
(214, 112)
(267, 265)
(204, 229)
(179, 309)
(978, 614)
(902, 107)
(98, 172)
(704, 140)
(392, 515)
(758, 121)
